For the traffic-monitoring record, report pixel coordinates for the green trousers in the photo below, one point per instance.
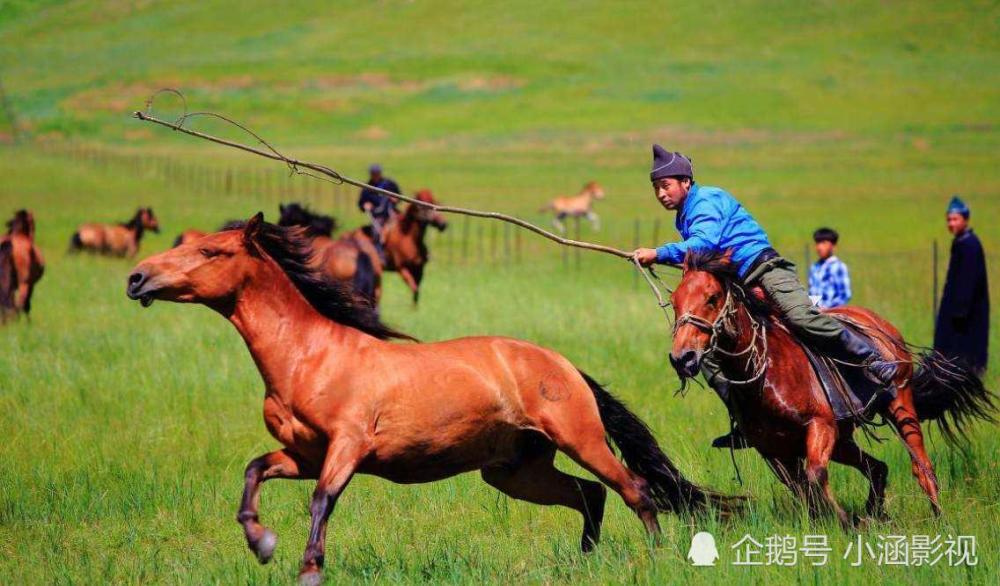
(778, 279)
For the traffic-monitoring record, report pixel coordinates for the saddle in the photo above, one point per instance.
(847, 388)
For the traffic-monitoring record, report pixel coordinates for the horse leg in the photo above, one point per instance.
(278, 464)
(820, 440)
(557, 222)
(850, 454)
(790, 472)
(536, 479)
(903, 416)
(342, 457)
(410, 282)
(418, 276)
(592, 452)
(595, 221)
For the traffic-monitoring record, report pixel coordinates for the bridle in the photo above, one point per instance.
(723, 326)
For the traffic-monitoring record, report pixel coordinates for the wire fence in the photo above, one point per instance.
(916, 275)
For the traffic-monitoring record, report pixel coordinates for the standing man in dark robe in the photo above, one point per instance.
(963, 321)
(379, 207)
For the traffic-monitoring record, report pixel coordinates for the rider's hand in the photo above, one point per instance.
(645, 256)
(368, 206)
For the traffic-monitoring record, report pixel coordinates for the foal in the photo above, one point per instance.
(580, 205)
(343, 400)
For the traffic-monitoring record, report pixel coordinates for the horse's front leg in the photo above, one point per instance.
(595, 220)
(342, 458)
(279, 464)
(411, 282)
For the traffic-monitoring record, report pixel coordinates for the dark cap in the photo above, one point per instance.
(375, 168)
(667, 164)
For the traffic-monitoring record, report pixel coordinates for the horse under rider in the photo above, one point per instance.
(709, 218)
(381, 208)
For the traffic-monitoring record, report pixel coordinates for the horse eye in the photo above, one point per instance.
(713, 300)
(208, 253)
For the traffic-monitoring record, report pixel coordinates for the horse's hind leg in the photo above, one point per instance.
(850, 454)
(557, 222)
(595, 221)
(591, 451)
(902, 415)
(535, 479)
(820, 440)
(790, 472)
(279, 464)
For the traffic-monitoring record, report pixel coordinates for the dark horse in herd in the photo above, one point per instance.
(777, 396)
(342, 399)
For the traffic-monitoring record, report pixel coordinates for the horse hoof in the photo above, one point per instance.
(264, 548)
(313, 578)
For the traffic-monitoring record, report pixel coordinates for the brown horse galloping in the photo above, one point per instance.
(403, 240)
(115, 239)
(26, 260)
(343, 400)
(778, 400)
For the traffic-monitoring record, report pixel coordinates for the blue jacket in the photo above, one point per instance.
(381, 204)
(712, 219)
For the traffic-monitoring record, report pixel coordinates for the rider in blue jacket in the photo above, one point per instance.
(710, 219)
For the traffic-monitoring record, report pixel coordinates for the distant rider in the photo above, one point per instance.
(379, 207)
(710, 219)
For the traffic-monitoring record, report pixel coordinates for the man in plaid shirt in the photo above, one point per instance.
(829, 280)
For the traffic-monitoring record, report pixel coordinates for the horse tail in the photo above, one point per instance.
(642, 454)
(364, 277)
(547, 207)
(949, 392)
(75, 243)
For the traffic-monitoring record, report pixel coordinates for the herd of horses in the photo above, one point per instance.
(346, 394)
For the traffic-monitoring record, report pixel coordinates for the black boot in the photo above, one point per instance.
(882, 372)
(734, 439)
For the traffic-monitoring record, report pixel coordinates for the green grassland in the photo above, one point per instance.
(124, 432)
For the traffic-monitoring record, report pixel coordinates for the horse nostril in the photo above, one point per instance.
(687, 362)
(136, 279)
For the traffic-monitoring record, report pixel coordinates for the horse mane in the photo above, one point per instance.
(295, 214)
(719, 265)
(136, 222)
(291, 248)
(20, 223)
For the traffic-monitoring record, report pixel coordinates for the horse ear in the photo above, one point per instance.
(252, 227)
(281, 208)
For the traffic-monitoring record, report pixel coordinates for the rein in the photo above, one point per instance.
(718, 328)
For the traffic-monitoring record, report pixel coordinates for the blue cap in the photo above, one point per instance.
(375, 168)
(957, 206)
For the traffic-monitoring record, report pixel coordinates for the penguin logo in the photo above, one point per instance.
(703, 551)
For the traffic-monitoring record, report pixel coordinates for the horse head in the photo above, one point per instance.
(208, 270)
(701, 302)
(23, 223)
(594, 189)
(426, 215)
(147, 219)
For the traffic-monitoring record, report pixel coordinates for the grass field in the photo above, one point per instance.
(125, 431)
